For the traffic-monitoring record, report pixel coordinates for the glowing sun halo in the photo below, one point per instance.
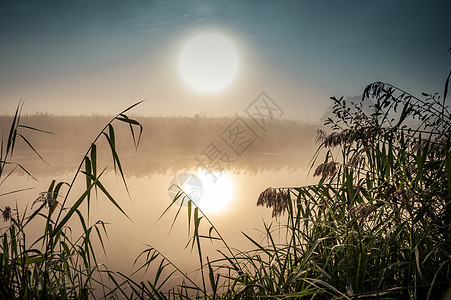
(208, 62)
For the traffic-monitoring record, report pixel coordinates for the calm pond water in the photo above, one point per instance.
(228, 198)
(149, 198)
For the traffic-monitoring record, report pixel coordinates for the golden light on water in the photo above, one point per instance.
(211, 191)
(218, 191)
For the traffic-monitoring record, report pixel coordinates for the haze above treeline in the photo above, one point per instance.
(168, 144)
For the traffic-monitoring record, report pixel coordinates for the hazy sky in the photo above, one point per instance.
(83, 57)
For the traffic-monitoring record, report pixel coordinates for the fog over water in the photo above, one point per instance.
(279, 157)
(167, 144)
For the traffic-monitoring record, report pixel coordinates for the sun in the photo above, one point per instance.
(208, 62)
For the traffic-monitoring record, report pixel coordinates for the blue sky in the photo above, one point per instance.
(84, 57)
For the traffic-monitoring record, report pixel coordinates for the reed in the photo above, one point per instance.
(377, 224)
(56, 265)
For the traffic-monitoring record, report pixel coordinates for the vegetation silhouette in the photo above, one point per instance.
(56, 265)
(377, 225)
(168, 145)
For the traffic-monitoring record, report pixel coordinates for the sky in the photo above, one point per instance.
(85, 57)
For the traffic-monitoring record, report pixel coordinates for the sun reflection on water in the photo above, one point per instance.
(212, 192)
(218, 191)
